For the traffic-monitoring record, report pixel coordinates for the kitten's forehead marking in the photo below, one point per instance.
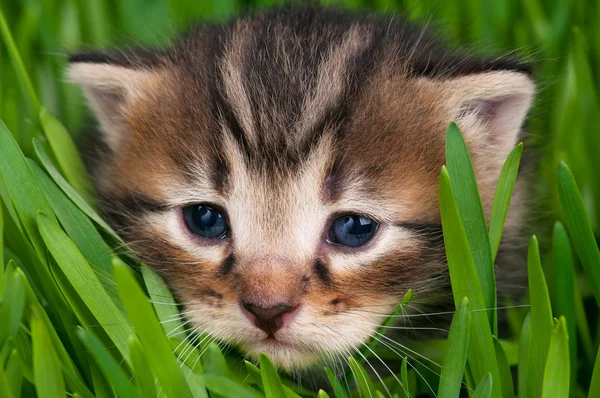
(232, 72)
(332, 79)
(249, 100)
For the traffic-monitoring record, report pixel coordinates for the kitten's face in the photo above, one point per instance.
(287, 188)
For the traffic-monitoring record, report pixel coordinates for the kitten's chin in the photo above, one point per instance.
(283, 355)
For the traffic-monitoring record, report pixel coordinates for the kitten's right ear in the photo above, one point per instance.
(110, 84)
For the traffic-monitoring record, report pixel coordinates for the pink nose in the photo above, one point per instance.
(270, 319)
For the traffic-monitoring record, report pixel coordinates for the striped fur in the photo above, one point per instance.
(287, 119)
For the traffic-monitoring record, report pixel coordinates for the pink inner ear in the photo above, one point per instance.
(503, 117)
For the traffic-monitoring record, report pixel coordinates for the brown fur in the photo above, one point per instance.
(287, 120)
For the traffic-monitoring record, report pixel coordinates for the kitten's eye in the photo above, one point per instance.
(352, 231)
(205, 221)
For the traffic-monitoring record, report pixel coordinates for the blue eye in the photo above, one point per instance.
(352, 231)
(205, 221)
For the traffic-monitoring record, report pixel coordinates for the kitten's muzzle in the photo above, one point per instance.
(269, 320)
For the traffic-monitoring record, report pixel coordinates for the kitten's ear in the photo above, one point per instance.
(490, 107)
(110, 83)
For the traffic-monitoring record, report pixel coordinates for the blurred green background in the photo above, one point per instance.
(560, 38)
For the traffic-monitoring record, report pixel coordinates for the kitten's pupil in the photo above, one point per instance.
(205, 221)
(352, 231)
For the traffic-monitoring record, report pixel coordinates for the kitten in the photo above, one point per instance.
(281, 171)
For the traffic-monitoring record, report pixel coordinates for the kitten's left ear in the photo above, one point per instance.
(490, 107)
(111, 82)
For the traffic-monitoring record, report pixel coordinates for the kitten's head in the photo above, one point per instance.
(281, 171)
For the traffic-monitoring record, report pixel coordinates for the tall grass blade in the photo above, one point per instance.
(14, 373)
(25, 193)
(362, 379)
(67, 155)
(48, 377)
(163, 301)
(109, 367)
(151, 335)
(143, 376)
(226, 387)
(32, 303)
(214, 361)
(256, 377)
(457, 352)
(406, 391)
(595, 383)
(464, 280)
(70, 191)
(338, 389)
(86, 283)
(564, 289)
(466, 195)
(77, 225)
(541, 321)
(271, 382)
(1, 250)
(17, 62)
(557, 373)
(506, 380)
(5, 390)
(11, 311)
(484, 388)
(504, 190)
(579, 227)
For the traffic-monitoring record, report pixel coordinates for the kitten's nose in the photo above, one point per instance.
(270, 319)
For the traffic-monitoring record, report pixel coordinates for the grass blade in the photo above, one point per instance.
(506, 380)
(14, 373)
(66, 154)
(256, 378)
(163, 301)
(214, 361)
(143, 377)
(70, 191)
(18, 65)
(77, 225)
(579, 227)
(464, 280)
(85, 282)
(5, 390)
(25, 193)
(338, 390)
(595, 383)
(504, 190)
(466, 195)
(557, 373)
(109, 367)
(48, 377)
(564, 289)
(271, 382)
(32, 303)
(1, 250)
(151, 335)
(541, 321)
(457, 352)
(11, 310)
(226, 387)
(484, 388)
(361, 377)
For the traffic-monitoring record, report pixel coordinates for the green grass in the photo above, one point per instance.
(76, 321)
